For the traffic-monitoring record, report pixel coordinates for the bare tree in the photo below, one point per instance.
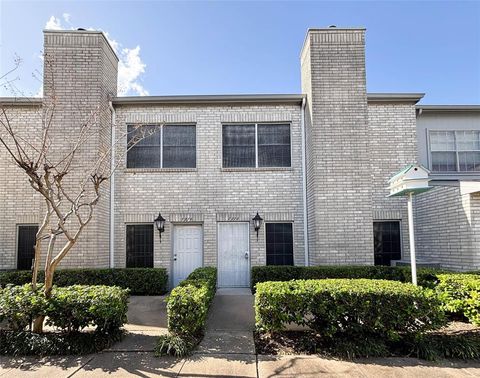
(69, 184)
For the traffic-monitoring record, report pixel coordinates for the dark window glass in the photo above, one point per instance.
(140, 246)
(387, 244)
(179, 146)
(26, 242)
(279, 243)
(238, 146)
(143, 143)
(273, 145)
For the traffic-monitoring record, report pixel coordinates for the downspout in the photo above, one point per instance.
(304, 178)
(112, 186)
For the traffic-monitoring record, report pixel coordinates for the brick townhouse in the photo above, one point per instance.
(313, 165)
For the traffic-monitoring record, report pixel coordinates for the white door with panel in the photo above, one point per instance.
(233, 254)
(187, 251)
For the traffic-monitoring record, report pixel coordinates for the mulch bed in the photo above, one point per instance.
(309, 342)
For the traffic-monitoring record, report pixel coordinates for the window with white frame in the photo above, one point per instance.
(455, 151)
(256, 145)
(167, 146)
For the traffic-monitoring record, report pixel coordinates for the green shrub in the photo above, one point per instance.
(425, 276)
(174, 345)
(188, 303)
(435, 346)
(15, 343)
(19, 305)
(70, 308)
(140, 281)
(460, 294)
(351, 307)
(73, 308)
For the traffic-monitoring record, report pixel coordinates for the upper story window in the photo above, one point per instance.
(256, 145)
(455, 151)
(168, 146)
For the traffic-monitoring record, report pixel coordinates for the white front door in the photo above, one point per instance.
(187, 251)
(233, 255)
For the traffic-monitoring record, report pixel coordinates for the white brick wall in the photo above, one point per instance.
(209, 193)
(392, 147)
(448, 228)
(338, 173)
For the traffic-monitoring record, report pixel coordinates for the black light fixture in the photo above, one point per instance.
(257, 222)
(160, 224)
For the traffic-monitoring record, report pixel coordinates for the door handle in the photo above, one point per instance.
(246, 255)
(175, 257)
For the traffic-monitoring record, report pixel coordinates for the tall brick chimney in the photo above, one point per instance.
(339, 182)
(80, 69)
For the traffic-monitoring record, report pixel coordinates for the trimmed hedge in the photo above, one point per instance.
(426, 276)
(188, 303)
(70, 308)
(460, 294)
(348, 307)
(140, 281)
(15, 343)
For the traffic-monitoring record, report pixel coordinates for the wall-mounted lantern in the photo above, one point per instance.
(257, 222)
(160, 224)
(411, 180)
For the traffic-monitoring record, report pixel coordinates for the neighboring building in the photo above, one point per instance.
(314, 166)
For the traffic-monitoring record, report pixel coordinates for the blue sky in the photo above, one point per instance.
(253, 47)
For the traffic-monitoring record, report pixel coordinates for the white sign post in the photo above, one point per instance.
(413, 179)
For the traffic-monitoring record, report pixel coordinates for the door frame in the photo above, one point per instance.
(17, 239)
(172, 247)
(400, 223)
(249, 250)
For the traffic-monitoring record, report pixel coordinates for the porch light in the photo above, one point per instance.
(257, 222)
(160, 224)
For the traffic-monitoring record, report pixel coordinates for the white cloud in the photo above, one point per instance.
(130, 65)
(53, 24)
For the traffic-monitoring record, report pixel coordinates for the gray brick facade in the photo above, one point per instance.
(353, 143)
(338, 175)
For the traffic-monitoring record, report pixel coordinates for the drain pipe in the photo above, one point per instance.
(304, 177)
(112, 186)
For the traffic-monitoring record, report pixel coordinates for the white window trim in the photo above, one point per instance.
(256, 167)
(429, 147)
(161, 168)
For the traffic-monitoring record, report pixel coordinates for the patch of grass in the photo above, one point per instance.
(174, 345)
(431, 346)
(24, 343)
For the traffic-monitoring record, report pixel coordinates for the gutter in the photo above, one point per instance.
(112, 187)
(211, 99)
(304, 179)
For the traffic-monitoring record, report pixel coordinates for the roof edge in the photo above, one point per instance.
(448, 108)
(21, 101)
(395, 97)
(210, 99)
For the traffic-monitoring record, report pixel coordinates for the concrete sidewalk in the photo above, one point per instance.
(226, 351)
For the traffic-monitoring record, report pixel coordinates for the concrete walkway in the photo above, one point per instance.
(226, 351)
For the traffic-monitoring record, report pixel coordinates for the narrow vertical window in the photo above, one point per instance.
(238, 146)
(279, 243)
(274, 146)
(468, 146)
(139, 246)
(179, 149)
(387, 244)
(25, 246)
(442, 146)
(144, 144)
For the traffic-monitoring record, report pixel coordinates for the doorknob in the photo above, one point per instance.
(246, 255)
(175, 257)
